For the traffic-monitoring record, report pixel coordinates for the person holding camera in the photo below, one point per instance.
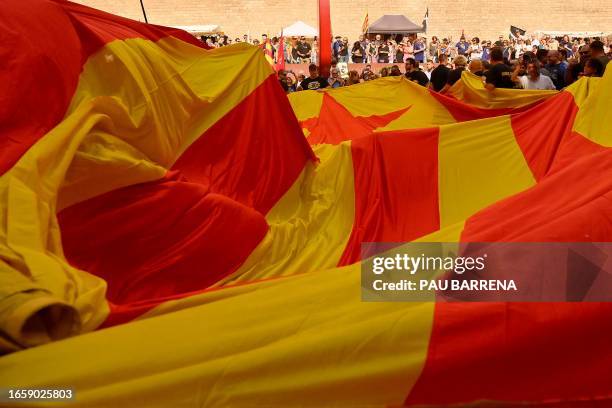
(335, 80)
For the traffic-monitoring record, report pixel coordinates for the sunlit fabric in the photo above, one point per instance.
(176, 232)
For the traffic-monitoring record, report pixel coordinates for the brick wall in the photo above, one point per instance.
(486, 19)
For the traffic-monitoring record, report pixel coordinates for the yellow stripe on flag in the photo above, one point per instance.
(156, 113)
(480, 163)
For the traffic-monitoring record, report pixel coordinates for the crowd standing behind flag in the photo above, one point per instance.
(522, 60)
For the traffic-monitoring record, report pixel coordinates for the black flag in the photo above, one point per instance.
(514, 30)
(425, 20)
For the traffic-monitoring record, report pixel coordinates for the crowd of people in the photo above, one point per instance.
(398, 48)
(536, 68)
(518, 61)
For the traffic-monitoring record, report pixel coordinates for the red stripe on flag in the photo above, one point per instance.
(336, 124)
(45, 44)
(521, 352)
(463, 112)
(540, 139)
(531, 351)
(159, 239)
(251, 155)
(396, 188)
(176, 236)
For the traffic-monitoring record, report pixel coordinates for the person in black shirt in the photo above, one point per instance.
(399, 51)
(439, 76)
(455, 75)
(315, 81)
(499, 75)
(303, 50)
(357, 53)
(597, 51)
(594, 68)
(295, 57)
(383, 53)
(414, 73)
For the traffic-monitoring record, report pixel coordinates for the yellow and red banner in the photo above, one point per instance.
(166, 194)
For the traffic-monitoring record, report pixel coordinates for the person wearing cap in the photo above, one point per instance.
(303, 50)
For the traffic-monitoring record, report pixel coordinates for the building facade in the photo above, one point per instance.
(486, 20)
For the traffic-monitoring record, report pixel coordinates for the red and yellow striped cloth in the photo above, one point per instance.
(168, 191)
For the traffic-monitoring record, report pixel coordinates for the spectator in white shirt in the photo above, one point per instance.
(533, 79)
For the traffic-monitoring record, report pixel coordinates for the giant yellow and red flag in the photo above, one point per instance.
(142, 191)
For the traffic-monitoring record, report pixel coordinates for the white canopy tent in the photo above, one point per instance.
(579, 34)
(201, 29)
(298, 29)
